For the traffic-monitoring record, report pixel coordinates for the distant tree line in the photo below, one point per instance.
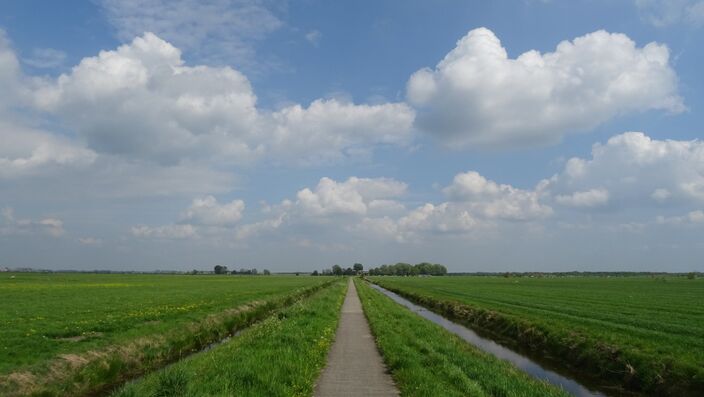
(220, 269)
(337, 270)
(406, 269)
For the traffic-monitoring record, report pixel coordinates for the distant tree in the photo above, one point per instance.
(358, 267)
(349, 272)
(254, 272)
(438, 270)
(267, 272)
(403, 269)
(194, 271)
(315, 272)
(233, 272)
(337, 270)
(219, 269)
(691, 276)
(327, 272)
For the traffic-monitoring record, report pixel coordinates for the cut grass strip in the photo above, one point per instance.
(99, 370)
(618, 358)
(280, 356)
(426, 360)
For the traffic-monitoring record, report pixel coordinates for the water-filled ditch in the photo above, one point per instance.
(522, 362)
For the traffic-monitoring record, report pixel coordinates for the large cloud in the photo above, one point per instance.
(633, 169)
(478, 96)
(141, 101)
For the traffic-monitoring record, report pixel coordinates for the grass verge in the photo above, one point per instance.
(588, 351)
(426, 360)
(95, 371)
(280, 356)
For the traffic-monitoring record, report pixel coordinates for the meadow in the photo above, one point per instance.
(639, 334)
(81, 333)
(425, 360)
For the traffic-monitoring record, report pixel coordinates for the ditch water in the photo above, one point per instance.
(522, 362)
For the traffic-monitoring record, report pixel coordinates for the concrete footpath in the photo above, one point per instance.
(355, 367)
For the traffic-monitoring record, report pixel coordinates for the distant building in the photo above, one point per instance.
(4, 269)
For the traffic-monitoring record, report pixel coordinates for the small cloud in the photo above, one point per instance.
(664, 13)
(693, 217)
(314, 37)
(90, 241)
(586, 199)
(10, 225)
(46, 58)
(660, 195)
(166, 232)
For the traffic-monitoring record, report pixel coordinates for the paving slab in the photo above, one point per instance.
(355, 367)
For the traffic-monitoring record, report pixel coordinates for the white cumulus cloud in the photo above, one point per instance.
(492, 200)
(141, 101)
(478, 96)
(635, 169)
(356, 196)
(207, 211)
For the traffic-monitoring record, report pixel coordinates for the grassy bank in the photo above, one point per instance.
(641, 334)
(90, 332)
(426, 360)
(280, 356)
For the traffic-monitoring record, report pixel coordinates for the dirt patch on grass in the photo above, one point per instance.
(80, 338)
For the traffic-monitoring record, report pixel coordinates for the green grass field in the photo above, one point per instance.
(642, 333)
(426, 360)
(281, 356)
(71, 333)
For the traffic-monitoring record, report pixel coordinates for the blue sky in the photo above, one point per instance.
(295, 135)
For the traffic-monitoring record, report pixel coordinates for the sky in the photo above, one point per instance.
(294, 135)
